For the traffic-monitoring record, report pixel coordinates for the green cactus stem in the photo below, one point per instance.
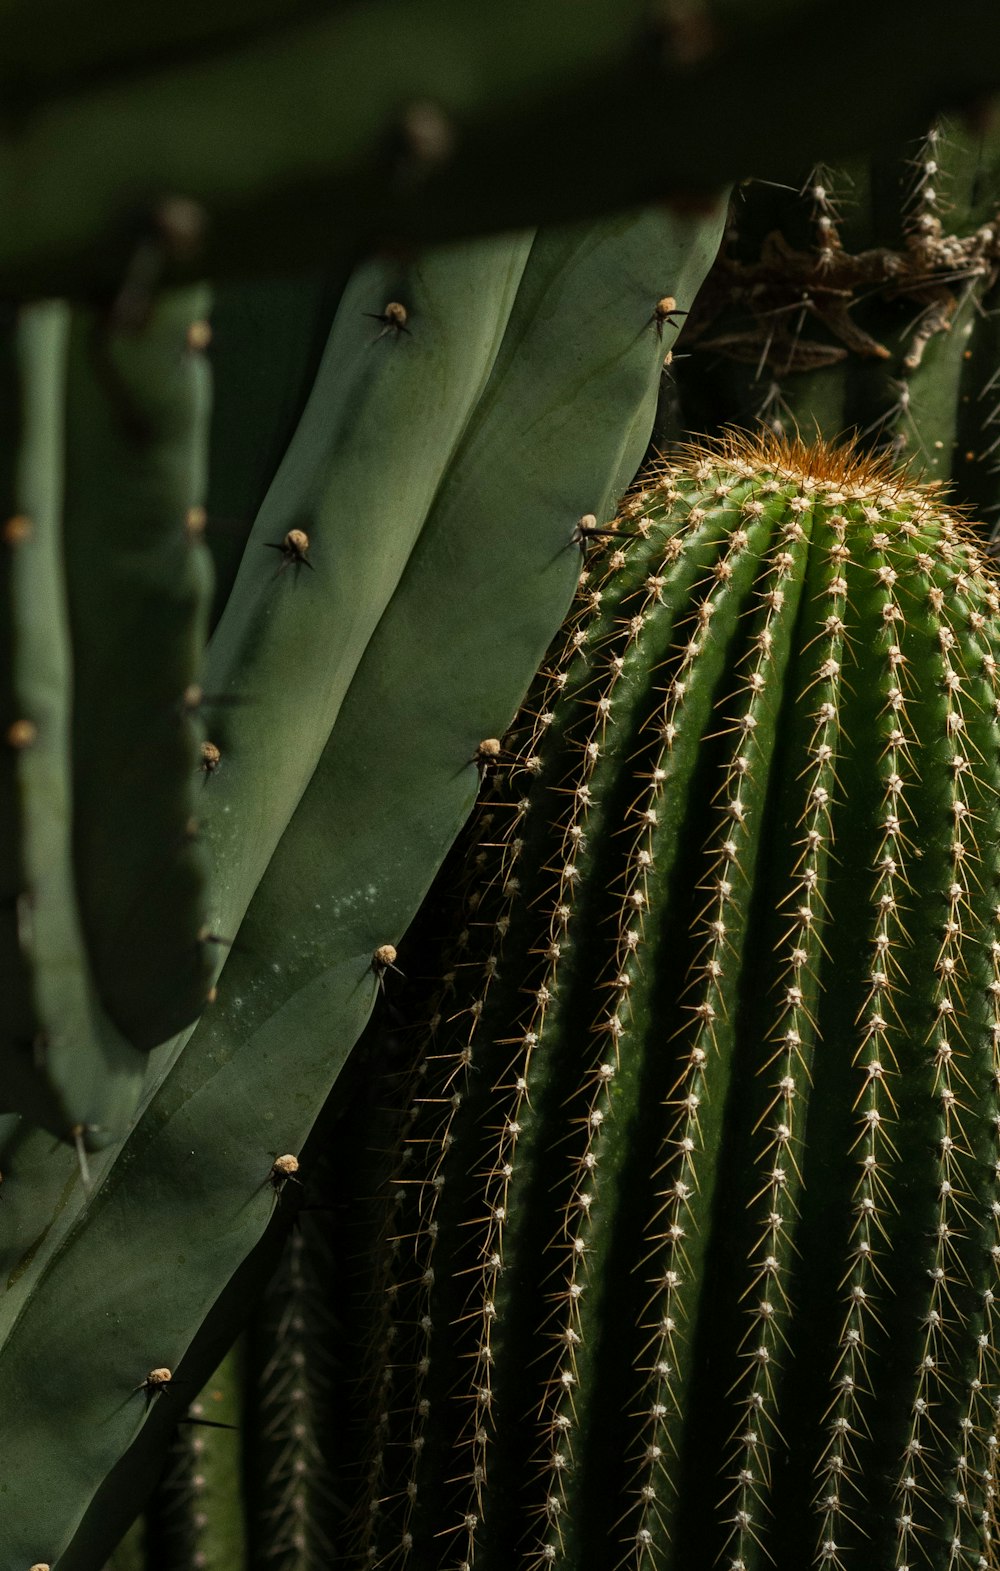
(293, 1344)
(194, 1518)
(138, 589)
(375, 440)
(267, 343)
(563, 406)
(693, 1256)
(129, 39)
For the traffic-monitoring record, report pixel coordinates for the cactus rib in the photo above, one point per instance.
(267, 342)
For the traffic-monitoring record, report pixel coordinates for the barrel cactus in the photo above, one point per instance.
(692, 1252)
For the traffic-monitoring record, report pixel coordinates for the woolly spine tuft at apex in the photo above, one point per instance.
(691, 1245)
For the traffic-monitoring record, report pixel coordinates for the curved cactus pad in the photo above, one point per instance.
(435, 639)
(693, 1256)
(139, 578)
(62, 1062)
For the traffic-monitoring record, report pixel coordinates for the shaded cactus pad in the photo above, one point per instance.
(693, 1247)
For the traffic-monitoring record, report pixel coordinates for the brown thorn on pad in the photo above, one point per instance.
(588, 529)
(194, 698)
(383, 960)
(199, 335)
(170, 233)
(393, 319)
(487, 755)
(294, 548)
(284, 1169)
(211, 758)
(21, 734)
(16, 529)
(664, 313)
(428, 138)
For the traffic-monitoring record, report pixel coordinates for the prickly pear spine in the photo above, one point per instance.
(694, 1248)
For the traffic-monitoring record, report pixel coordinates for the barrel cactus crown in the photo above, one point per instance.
(692, 1258)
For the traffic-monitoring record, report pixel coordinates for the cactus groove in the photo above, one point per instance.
(692, 1252)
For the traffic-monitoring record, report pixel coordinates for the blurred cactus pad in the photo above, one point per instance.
(691, 1249)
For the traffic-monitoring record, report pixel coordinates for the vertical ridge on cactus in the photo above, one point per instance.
(292, 1343)
(695, 1232)
(62, 1062)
